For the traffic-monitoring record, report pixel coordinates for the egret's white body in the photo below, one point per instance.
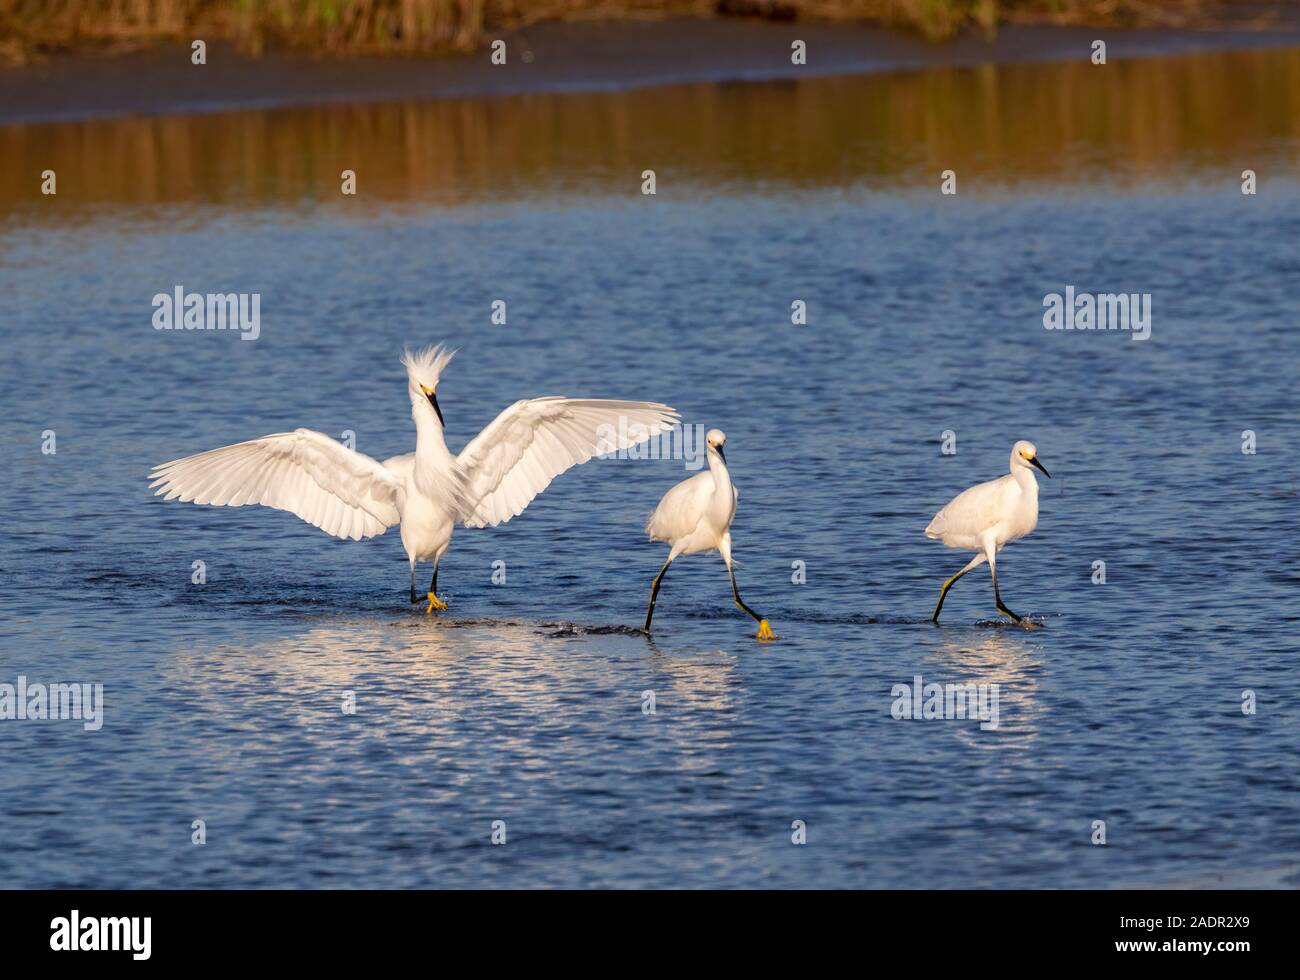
(990, 515)
(696, 516)
(350, 495)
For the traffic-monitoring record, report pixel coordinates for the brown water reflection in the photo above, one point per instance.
(995, 125)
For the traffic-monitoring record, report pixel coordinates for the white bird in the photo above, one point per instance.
(350, 495)
(990, 515)
(696, 516)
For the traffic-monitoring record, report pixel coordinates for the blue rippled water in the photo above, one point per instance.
(523, 703)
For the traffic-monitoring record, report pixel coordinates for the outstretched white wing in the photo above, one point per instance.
(533, 441)
(343, 492)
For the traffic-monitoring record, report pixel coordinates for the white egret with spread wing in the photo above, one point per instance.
(350, 495)
(696, 516)
(988, 516)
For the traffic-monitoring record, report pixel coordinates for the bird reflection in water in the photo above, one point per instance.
(1012, 661)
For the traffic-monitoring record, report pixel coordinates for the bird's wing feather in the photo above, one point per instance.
(973, 510)
(681, 508)
(533, 441)
(343, 492)
(400, 466)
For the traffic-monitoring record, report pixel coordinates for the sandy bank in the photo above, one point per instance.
(555, 57)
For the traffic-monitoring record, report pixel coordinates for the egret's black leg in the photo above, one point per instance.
(943, 593)
(764, 628)
(654, 594)
(415, 598)
(997, 596)
(739, 601)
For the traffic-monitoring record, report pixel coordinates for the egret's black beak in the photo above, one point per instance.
(433, 400)
(721, 455)
(1033, 461)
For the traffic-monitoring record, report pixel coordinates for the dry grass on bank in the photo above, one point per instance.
(33, 28)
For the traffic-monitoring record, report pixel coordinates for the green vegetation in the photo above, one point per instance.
(36, 27)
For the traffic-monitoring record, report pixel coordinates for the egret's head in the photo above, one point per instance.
(423, 371)
(1025, 453)
(716, 439)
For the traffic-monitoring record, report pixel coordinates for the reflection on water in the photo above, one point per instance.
(431, 678)
(992, 124)
(1009, 659)
(705, 689)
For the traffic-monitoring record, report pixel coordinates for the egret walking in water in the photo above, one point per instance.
(989, 515)
(350, 495)
(696, 516)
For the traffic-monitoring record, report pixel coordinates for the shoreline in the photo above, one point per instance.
(558, 57)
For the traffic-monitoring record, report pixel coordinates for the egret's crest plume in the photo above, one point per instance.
(426, 365)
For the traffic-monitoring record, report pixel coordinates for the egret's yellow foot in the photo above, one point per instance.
(765, 631)
(435, 603)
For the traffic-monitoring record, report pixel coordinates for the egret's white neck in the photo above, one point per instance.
(1022, 473)
(718, 467)
(430, 446)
